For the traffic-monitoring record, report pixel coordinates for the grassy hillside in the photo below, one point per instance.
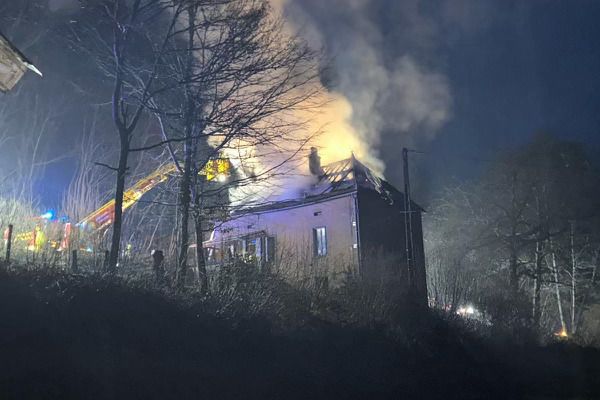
(65, 337)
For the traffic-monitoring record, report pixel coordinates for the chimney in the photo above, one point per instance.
(314, 163)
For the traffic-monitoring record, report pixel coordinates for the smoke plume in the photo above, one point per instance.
(382, 82)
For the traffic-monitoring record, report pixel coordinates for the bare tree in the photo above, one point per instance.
(84, 193)
(20, 170)
(520, 221)
(218, 74)
(237, 73)
(125, 50)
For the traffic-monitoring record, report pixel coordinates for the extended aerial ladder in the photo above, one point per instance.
(103, 216)
(217, 169)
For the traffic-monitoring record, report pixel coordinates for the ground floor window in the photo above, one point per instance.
(255, 248)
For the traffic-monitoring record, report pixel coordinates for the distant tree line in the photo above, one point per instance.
(522, 242)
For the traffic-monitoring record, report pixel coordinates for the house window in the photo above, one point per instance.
(320, 241)
(269, 249)
(212, 255)
(252, 247)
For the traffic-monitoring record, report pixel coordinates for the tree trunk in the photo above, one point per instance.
(537, 285)
(184, 199)
(185, 189)
(117, 115)
(118, 217)
(573, 277)
(513, 265)
(200, 261)
(561, 314)
(596, 265)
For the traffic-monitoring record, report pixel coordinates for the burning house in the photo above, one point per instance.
(348, 222)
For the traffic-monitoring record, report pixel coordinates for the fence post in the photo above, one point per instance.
(158, 258)
(74, 266)
(9, 242)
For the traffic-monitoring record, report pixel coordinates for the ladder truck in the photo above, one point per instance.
(215, 170)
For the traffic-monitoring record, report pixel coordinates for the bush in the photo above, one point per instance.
(509, 314)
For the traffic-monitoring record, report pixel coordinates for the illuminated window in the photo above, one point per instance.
(320, 241)
(252, 247)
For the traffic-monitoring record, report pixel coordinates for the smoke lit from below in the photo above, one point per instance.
(337, 139)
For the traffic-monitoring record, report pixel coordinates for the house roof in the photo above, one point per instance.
(344, 174)
(13, 64)
(338, 179)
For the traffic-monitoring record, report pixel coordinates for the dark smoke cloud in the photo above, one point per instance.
(388, 60)
(382, 63)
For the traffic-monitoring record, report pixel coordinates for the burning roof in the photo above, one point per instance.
(338, 178)
(347, 173)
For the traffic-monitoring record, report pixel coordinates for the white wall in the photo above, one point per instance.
(293, 230)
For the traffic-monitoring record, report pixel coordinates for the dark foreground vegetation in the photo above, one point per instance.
(65, 336)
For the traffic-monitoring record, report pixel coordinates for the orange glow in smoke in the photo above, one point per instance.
(336, 138)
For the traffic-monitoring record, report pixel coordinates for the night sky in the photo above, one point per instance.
(512, 68)
(498, 71)
(534, 69)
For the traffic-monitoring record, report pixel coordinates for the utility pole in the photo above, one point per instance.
(408, 231)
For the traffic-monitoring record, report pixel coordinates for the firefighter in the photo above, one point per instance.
(38, 240)
(158, 258)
